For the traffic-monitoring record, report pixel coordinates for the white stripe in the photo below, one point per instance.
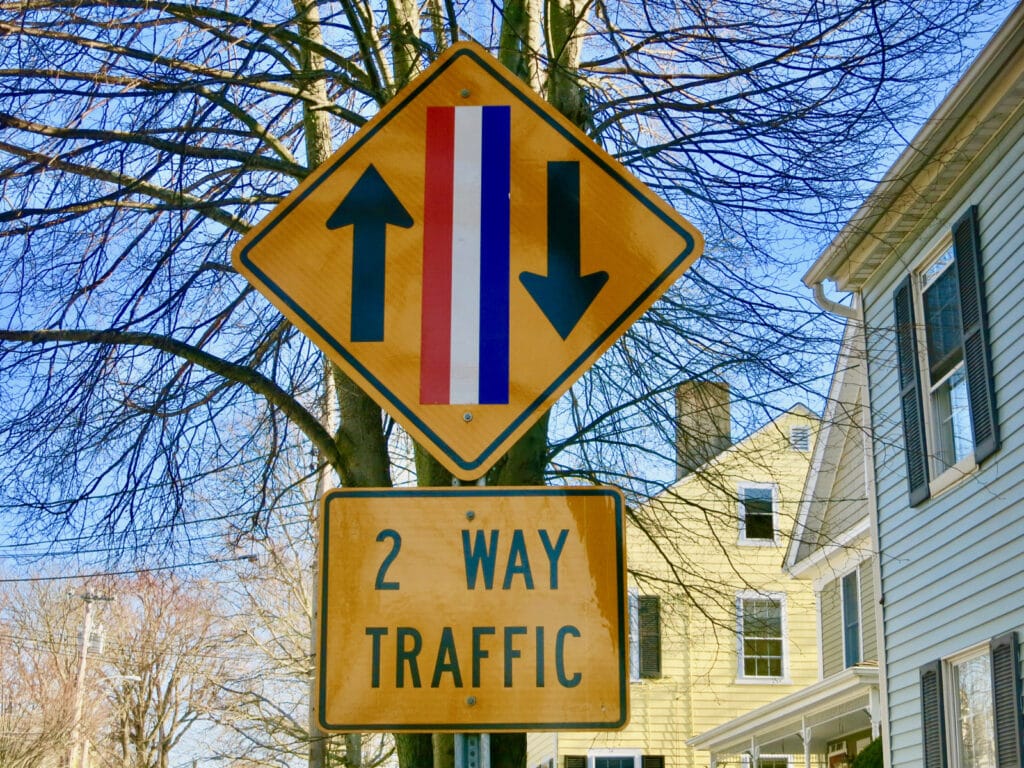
(465, 341)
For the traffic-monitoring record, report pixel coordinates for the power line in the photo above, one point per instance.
(99, 574)
(155, 528)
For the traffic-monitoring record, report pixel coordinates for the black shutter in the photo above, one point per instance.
(910, 393)
(974, 316)
(1006, 700)
(575, 761)
(933, 729)
(652, 761)
(649, 640)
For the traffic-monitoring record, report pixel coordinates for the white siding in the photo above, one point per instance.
(953, 568)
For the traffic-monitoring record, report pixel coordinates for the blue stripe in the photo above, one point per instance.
(495, 268)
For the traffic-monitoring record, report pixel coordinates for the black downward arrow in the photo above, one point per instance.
(369, 207)
(563, 295)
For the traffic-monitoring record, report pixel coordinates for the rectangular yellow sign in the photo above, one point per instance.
(472, 609)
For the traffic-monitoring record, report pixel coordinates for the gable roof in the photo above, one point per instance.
(743, 445)
(834, 505)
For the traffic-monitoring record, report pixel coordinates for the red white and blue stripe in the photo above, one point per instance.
(464, 352)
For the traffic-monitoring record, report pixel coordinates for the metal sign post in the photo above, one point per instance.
(472, 750)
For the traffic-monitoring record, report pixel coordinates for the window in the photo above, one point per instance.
(945, 373)
(970, 707)
(614, 758)
(851, 619)
(757, 514)
(800, 438)
(760, 636)
(644, 636)
(947, 396)
(766, 761)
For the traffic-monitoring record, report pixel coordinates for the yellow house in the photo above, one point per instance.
(717, 628)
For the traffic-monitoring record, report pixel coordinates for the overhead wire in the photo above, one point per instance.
(127, 572)
(145, 529)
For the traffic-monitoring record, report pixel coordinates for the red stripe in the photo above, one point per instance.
(435, 334)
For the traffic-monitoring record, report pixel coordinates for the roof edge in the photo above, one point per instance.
(985, 69)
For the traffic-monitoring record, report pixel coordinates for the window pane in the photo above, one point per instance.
(614, 761)
(758, 520)
(761, 646)
(851, 619)
(952, 415)
(973, 686)
(942, 323)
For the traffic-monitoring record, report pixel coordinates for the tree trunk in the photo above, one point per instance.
(415, 750)
(444, 750)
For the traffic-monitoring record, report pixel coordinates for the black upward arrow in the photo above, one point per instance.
(563, 295)
(369, 207)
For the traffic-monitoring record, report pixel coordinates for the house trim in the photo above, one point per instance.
(952, 143)
(794, 715)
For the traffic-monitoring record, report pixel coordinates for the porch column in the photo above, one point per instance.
(875, 712)
(805, 736)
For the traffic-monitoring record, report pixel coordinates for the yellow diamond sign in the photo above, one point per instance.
(466, 256)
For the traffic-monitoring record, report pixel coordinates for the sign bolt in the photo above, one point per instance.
(467, 417)
(464, 93)
(471, 700)
(470, 515)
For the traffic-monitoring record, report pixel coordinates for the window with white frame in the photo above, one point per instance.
(850, 588)
(614, 758)
(766, 761)
(761, 645)
(944, 372)
(971, 707)
(947, 393)
(758, 513)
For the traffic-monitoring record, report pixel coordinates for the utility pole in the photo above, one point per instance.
(78, 751)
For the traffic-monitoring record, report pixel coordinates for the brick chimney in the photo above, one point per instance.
(703, 427)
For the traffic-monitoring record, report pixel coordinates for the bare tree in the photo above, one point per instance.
(166, 653)
(156, 659)
(140, 140)
(37, 656)
(269, 601)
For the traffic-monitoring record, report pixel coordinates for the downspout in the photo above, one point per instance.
(879, 715)
(833, 307)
